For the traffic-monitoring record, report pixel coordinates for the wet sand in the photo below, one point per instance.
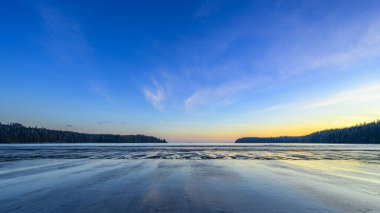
(167, 185)
(191, 151)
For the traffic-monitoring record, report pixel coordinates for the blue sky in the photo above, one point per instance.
(190, 70)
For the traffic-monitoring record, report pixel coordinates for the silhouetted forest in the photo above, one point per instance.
(363, 133)
(17, 133)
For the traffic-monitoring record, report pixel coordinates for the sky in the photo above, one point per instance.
(190, 71)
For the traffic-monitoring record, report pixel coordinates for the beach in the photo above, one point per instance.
(186, 185)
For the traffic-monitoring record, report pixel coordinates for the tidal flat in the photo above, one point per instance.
(190, 178)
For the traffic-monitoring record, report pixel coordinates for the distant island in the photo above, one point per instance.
(367, 133)
(17, 133)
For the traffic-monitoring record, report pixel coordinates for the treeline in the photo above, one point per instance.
(17, 133)
(368, 133)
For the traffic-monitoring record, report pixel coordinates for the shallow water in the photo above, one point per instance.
(367, 153)
(189, 178)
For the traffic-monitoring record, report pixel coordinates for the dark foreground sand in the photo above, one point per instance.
(120, 185)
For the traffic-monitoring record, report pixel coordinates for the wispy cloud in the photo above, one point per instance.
(342, 47)
(222, 95)
(160, 87)
(155, 96)
(366, 47)
(69, 125)
(214, 80)
(360, 94)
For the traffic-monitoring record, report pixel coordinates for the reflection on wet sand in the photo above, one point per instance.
(257, 178)
(87, 185)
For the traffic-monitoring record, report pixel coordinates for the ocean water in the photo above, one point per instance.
(192, 151)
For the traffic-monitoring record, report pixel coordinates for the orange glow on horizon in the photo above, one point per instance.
(296, 129)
